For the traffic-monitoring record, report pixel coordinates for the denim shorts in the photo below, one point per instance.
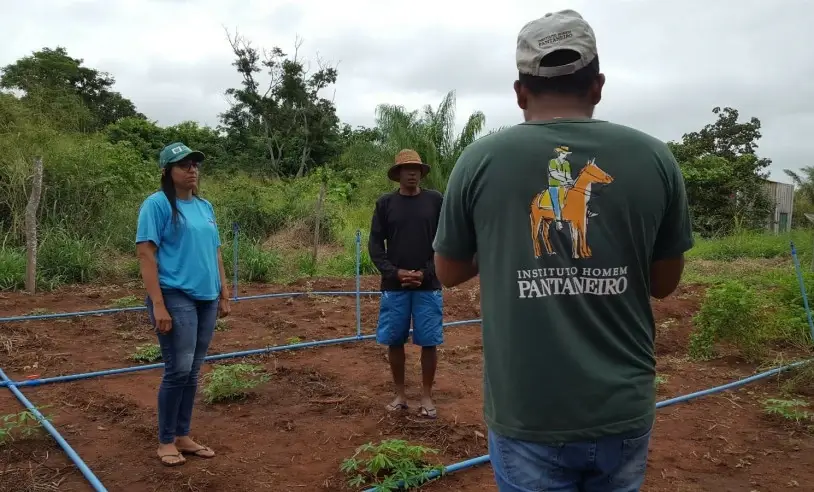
(607, 464)
(425, 308)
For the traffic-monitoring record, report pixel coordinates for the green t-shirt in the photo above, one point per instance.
(568, 332)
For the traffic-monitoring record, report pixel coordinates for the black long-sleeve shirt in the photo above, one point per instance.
(407, 224)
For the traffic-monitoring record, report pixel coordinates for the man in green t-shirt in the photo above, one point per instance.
(568, 330)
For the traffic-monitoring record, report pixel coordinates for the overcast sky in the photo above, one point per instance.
(667, 62)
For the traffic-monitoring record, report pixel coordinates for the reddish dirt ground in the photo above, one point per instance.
(322, 403)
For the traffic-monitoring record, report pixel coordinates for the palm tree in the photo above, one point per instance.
(431, 133)
(803, 181)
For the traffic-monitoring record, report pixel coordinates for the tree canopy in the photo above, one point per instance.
(281, 124)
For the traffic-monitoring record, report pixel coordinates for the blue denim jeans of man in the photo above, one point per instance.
(608, 464)
(183, 350)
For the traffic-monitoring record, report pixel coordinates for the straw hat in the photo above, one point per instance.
(404, 158)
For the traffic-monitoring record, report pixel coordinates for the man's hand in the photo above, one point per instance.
(411, 278)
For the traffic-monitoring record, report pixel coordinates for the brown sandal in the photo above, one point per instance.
(180, 459)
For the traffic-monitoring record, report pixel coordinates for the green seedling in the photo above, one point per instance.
(147, 353)
(792, 410)
(391, 465)
(232, 382)
(126, 302)
(22, 425)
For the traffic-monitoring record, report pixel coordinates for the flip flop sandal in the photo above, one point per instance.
(166, 462)
(427, 413)
(197, 452)
(397, 407)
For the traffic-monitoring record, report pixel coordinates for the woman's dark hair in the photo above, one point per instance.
(168, 187)
(576, 84)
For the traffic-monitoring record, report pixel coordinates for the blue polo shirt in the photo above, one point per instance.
(187, 251)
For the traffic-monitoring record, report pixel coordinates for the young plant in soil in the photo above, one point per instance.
(19, 425)
(127, 301)
(147, 353)
(393, 464)
(795, 411)
(221, 325)
(232, 382)
(659, 381)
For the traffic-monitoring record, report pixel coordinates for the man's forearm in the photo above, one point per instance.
(378, 255)
(452, 273)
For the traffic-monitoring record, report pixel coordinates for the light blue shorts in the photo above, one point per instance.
(425, 308)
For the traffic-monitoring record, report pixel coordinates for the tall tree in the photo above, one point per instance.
(288, 118)
(431, 132)
(50, 75)
(724, 176)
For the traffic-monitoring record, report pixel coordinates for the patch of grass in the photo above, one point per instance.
(232, 382)
(751, 245)
(730, 312)
(22, 425)
(293, 340)
(12, 268)
(65, 258)
(795, 411)
(798, 379)
(383, 466)
(660, 379)
(126, 302)
(147, 353)
(221, 325)
(255, 263)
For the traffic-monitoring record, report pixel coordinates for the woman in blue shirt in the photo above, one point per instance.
(179, 253)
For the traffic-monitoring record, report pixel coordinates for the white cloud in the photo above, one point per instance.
(667, 63)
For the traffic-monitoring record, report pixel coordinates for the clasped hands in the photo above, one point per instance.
(410, 278)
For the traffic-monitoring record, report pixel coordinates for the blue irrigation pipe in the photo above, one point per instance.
(86, 472)
(480, 460)
(235, 245)
(358, 283)
(802, 288)
(210, 358)
(97, 312)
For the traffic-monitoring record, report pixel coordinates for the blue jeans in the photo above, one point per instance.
(554, 193)
(608, 464)
(183, 350)
(398, 307)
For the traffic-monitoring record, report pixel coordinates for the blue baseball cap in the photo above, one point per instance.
(176, 152)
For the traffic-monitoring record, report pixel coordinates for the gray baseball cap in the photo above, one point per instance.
(563, 30)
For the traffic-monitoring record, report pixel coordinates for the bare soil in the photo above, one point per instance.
(322, 403)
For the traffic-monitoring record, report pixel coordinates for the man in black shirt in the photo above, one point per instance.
(401, 234)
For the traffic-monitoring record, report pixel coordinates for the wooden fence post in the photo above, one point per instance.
(317, 221)
(31, 227)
